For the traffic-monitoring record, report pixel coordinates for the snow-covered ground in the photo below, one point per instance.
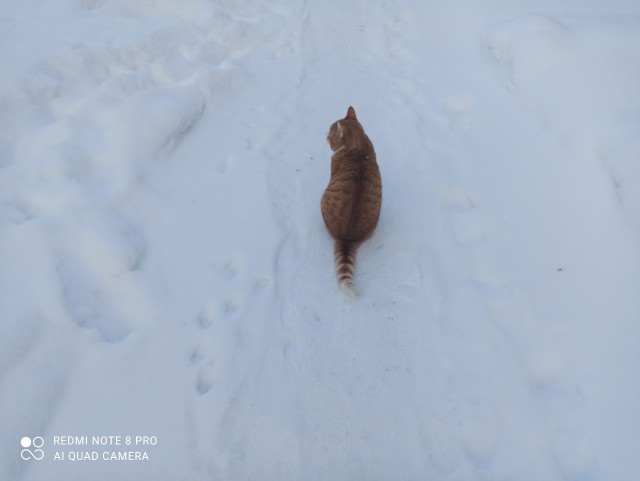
(165, 270)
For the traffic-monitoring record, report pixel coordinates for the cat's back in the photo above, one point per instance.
(352, 200)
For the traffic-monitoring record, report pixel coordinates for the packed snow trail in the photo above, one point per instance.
(162, 165)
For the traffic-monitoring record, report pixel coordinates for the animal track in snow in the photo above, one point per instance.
(208, 314)
(233, 305)
(220, 328)
(199, 352)
(202, 354)
(206, 377)
(232, 268)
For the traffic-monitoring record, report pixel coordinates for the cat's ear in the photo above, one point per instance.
(340, 132)
(351, 114)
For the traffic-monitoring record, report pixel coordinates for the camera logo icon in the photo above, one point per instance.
(32, 448)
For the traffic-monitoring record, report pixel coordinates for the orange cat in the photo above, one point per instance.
(351, 202)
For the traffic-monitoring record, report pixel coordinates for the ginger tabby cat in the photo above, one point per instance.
(351, 202)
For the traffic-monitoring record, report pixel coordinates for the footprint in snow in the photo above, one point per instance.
(220, 322)
(201, 353)
(208, 314)
(206, 378)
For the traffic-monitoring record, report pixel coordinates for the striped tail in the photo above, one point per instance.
(345, 256)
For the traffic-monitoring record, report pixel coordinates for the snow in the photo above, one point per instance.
(166, 272)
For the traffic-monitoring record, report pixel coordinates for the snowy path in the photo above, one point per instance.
(168, 271)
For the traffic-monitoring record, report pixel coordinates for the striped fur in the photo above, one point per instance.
(351, 202)
(344, 253)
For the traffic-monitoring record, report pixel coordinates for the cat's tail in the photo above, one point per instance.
(344, 254)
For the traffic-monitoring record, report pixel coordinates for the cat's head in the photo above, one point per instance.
(343, 132)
